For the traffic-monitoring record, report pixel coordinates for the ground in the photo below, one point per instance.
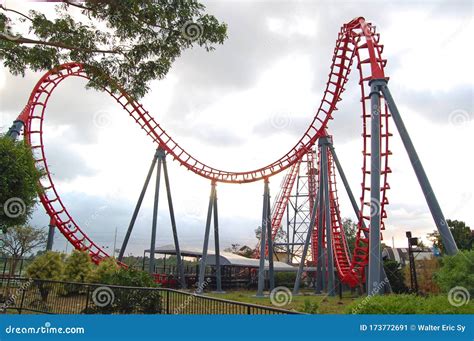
(307, 301)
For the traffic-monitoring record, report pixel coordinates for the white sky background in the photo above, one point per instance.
(227, 107)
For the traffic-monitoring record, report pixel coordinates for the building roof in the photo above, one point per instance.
(226, 258)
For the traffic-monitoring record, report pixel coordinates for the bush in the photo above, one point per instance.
(457, 270)
(286, 279)
(48, 266)
(407, 304)
(78, 268)
(129, 300)
(395, 276)
(106, 269)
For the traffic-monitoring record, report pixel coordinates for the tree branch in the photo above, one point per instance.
(16, 12)
(22, 40)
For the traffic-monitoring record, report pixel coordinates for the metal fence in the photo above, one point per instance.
(23, 295)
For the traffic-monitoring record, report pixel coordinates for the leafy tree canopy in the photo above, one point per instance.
(462, 235)
(18, 183)
(130, 41)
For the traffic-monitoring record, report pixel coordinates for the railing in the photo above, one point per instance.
(20, 295)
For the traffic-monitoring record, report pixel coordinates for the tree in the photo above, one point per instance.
(457, 271)
(129, 41)
(18, 183)
(46, 267)
(462, 235)
(279, 238)
(78, 267)
(105, 269)
(395, 276)
(19, 241)
(350, 231)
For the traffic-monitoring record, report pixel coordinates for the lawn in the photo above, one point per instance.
(307, 301)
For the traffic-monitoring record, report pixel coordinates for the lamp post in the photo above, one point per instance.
(412, 241)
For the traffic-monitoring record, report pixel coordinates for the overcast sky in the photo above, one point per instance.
(245, 104)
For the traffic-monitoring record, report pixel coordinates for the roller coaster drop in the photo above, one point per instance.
(357, 41)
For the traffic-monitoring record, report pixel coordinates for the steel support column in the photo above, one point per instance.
(375, 254)
(179, 259)
(203, 263)
(217, 247)
(320, 284)
(137, 207)
(15, 129)
(151, 265)
(327, 216)
(50, 240)
(263, 241)
(271, 273)
(353, 201)
(431, 200)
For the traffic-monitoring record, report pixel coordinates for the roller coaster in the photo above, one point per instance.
(323, 243)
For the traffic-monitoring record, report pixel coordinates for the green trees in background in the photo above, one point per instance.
(18, 183)
(457, 270)
(462, 235)
(132, 42)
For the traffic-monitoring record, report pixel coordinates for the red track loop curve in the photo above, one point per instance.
(357, 40)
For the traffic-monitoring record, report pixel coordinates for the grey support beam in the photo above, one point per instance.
(217, 247)
(431, 200)
(375, 252)
(263, 242)
(137, 207)
(151, 265)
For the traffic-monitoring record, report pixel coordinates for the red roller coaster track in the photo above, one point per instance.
(356, 41)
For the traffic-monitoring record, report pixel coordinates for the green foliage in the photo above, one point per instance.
(78, 267)
(395, 276)
(426, 270)
(130, 300)
(18, 182)
(129, 277)
(142, 40)
(106, 269)
(286, 279)
(407, 304)
(350, 231)
(310, 307)
(48, 266)
(462, 235)
(457, 270)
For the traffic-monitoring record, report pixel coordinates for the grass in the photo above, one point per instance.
(306, 302)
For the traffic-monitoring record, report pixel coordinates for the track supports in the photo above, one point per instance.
(160, 157)
(212, 208)
(375, 252)
(50, 240)
(266, 243)
(431, 200)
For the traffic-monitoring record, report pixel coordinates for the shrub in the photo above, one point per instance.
(106, 269)
(129, 278)
(395, 276)
(407, 304)
(78, 268)
(48, 266)
(286, 279)
(310, 307)
(457, 270)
